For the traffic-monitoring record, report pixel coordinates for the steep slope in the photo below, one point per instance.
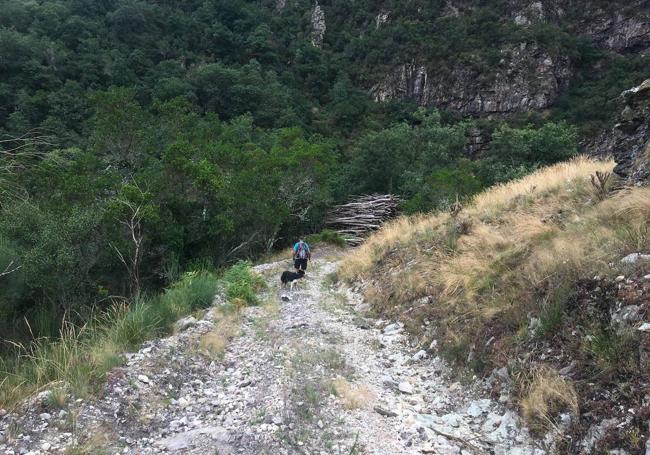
(540, 282)
(305, 373)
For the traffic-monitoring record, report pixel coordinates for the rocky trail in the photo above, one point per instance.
(304, 373)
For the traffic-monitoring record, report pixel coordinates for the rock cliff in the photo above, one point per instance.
(530, 75)
(629, 140)
(527, 77)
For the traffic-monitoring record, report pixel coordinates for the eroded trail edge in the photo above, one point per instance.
(304, 373)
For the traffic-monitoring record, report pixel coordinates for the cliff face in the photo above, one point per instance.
(527, 77)
(530, 75)
(629, 140)
(623, 27)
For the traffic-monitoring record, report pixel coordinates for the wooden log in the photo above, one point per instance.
(357, 218)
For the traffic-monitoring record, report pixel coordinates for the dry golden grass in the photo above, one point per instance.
(519, 234)
(560, 176)
(633, 202)
(215, 342)
(518, 211)
(519, 254)
(353, 396)
(519, 243)
(520, 250)
(94, 444)
(546, 396)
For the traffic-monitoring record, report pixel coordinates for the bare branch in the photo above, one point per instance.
(10, 268)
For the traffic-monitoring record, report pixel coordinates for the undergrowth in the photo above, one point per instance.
(78, 360)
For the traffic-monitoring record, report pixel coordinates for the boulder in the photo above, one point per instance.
(185, 323)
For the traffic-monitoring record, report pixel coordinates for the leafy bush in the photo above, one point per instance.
(241, 284)
(195, 290)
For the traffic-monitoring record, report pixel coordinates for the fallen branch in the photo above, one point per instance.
(354, 220)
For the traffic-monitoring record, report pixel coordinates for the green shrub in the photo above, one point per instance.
(615, 352)
(553, 311)
(127, 326)
(195, 290)
(241, 284)
(327, 236)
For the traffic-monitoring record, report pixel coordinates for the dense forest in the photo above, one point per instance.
(143, 138)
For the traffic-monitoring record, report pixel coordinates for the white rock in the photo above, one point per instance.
(627, 314)
(635, 257)
(421, 354)
(645, 327)
(183, 403)
(474, 409)
(619, 278)
(46, 446)
(507, 428)
(185, 323)
(452, 420)
(394, 328)
(596, 432)
(405, 387)
(144, 379)
(45, 416)
(491, 421)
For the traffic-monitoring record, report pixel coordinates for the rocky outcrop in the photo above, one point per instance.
(629, 142)
(381, 19)
(527, 77)
(617, 26)
(623, 34)
(318, 26)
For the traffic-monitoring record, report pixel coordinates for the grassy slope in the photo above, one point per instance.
(517, 253)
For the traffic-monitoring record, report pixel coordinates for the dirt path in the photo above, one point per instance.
(308, 375)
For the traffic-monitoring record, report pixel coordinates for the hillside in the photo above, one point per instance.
(540, 286)
(144, 138)
(151, 149)
(304, 372)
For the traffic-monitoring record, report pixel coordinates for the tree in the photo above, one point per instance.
(131, 209)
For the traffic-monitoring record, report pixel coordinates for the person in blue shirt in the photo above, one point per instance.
(301, 255)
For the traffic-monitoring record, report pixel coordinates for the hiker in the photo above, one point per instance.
(301, 254)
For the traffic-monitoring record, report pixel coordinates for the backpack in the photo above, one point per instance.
(303, 251)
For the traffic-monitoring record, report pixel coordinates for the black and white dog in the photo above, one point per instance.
(291, 277)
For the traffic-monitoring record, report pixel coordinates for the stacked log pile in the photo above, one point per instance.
(361, 216)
